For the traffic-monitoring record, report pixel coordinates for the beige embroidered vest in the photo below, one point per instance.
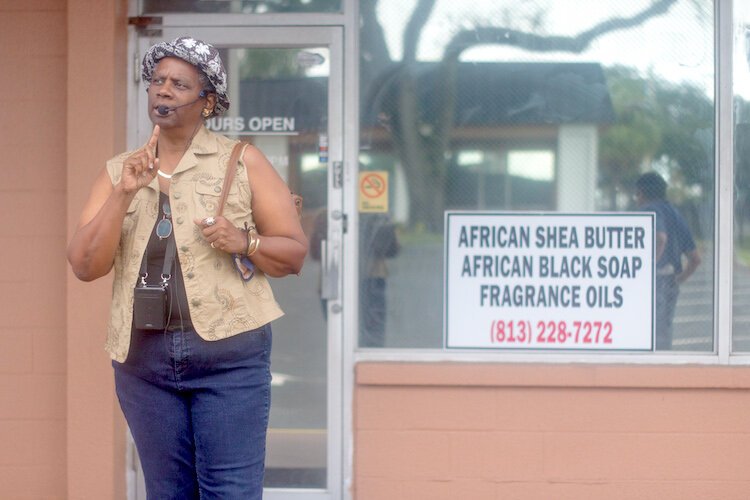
(221, 304)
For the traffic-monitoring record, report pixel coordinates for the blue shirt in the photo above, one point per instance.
(679, 239)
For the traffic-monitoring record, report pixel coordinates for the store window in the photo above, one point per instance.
(525, 107)
(238, 6)
(741, 275)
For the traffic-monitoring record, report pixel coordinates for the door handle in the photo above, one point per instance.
(329, 287)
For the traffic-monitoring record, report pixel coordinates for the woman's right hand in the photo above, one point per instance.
(92, 249)
(140, 168)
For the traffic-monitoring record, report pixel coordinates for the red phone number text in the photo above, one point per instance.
(515, 332)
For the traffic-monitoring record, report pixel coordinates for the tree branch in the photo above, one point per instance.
(539, 43)
(413, 29)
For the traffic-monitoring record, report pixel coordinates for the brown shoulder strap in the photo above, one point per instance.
(229, 175)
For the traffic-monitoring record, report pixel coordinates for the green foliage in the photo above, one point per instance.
(303, 5)
(655, 120)
(271, 64)
(686, 117)
(246, 6)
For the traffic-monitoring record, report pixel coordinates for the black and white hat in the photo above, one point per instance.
(202, 55)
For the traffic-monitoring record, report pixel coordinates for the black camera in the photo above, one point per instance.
(150, 307)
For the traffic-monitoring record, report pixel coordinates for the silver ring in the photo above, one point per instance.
(209, 221)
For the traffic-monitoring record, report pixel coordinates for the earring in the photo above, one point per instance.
(206, 112)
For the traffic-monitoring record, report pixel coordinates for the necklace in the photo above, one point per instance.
(187, 146)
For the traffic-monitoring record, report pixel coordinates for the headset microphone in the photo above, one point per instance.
(165, 110)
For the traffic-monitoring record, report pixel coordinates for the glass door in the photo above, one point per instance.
(285, 91)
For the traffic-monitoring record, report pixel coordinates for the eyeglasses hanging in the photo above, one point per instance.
(164, 227)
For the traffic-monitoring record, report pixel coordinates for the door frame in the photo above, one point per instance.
(338, 468)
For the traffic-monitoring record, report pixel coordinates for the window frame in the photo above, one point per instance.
(723, 251)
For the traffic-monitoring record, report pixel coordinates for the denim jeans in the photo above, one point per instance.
(667, 290)
(198, 412)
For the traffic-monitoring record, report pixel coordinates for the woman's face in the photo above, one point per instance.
(175, 91)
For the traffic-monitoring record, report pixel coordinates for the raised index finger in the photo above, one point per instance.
(154, 138)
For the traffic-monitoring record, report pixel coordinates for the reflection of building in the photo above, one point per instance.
(523, 135)
(528, 143)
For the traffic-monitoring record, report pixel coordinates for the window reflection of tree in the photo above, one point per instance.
(422, 138)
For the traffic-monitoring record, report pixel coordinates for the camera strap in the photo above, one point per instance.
(166, 270)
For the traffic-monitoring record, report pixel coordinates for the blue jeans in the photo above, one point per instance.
(198, 412)
(667, 291)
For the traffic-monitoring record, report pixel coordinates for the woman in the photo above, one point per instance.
(189, 337)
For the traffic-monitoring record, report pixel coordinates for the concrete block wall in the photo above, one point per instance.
(475, 432)
(33, 56)
(98, 75)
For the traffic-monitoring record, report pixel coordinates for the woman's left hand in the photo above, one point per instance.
(222, 235)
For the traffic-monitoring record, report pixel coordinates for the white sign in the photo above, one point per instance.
(549, 281)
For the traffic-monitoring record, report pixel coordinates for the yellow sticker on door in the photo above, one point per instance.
(373, 191)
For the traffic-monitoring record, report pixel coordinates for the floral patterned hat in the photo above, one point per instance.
(202, 55)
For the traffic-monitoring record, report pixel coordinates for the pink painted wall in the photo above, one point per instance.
(61, 433)
(451, 431)
(97, 103)
(33, 420)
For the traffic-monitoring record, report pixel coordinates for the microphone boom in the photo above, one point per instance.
(165, 110)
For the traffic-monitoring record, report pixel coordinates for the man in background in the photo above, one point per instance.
(672, 240)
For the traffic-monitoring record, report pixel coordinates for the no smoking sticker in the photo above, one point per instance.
(373, 191)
